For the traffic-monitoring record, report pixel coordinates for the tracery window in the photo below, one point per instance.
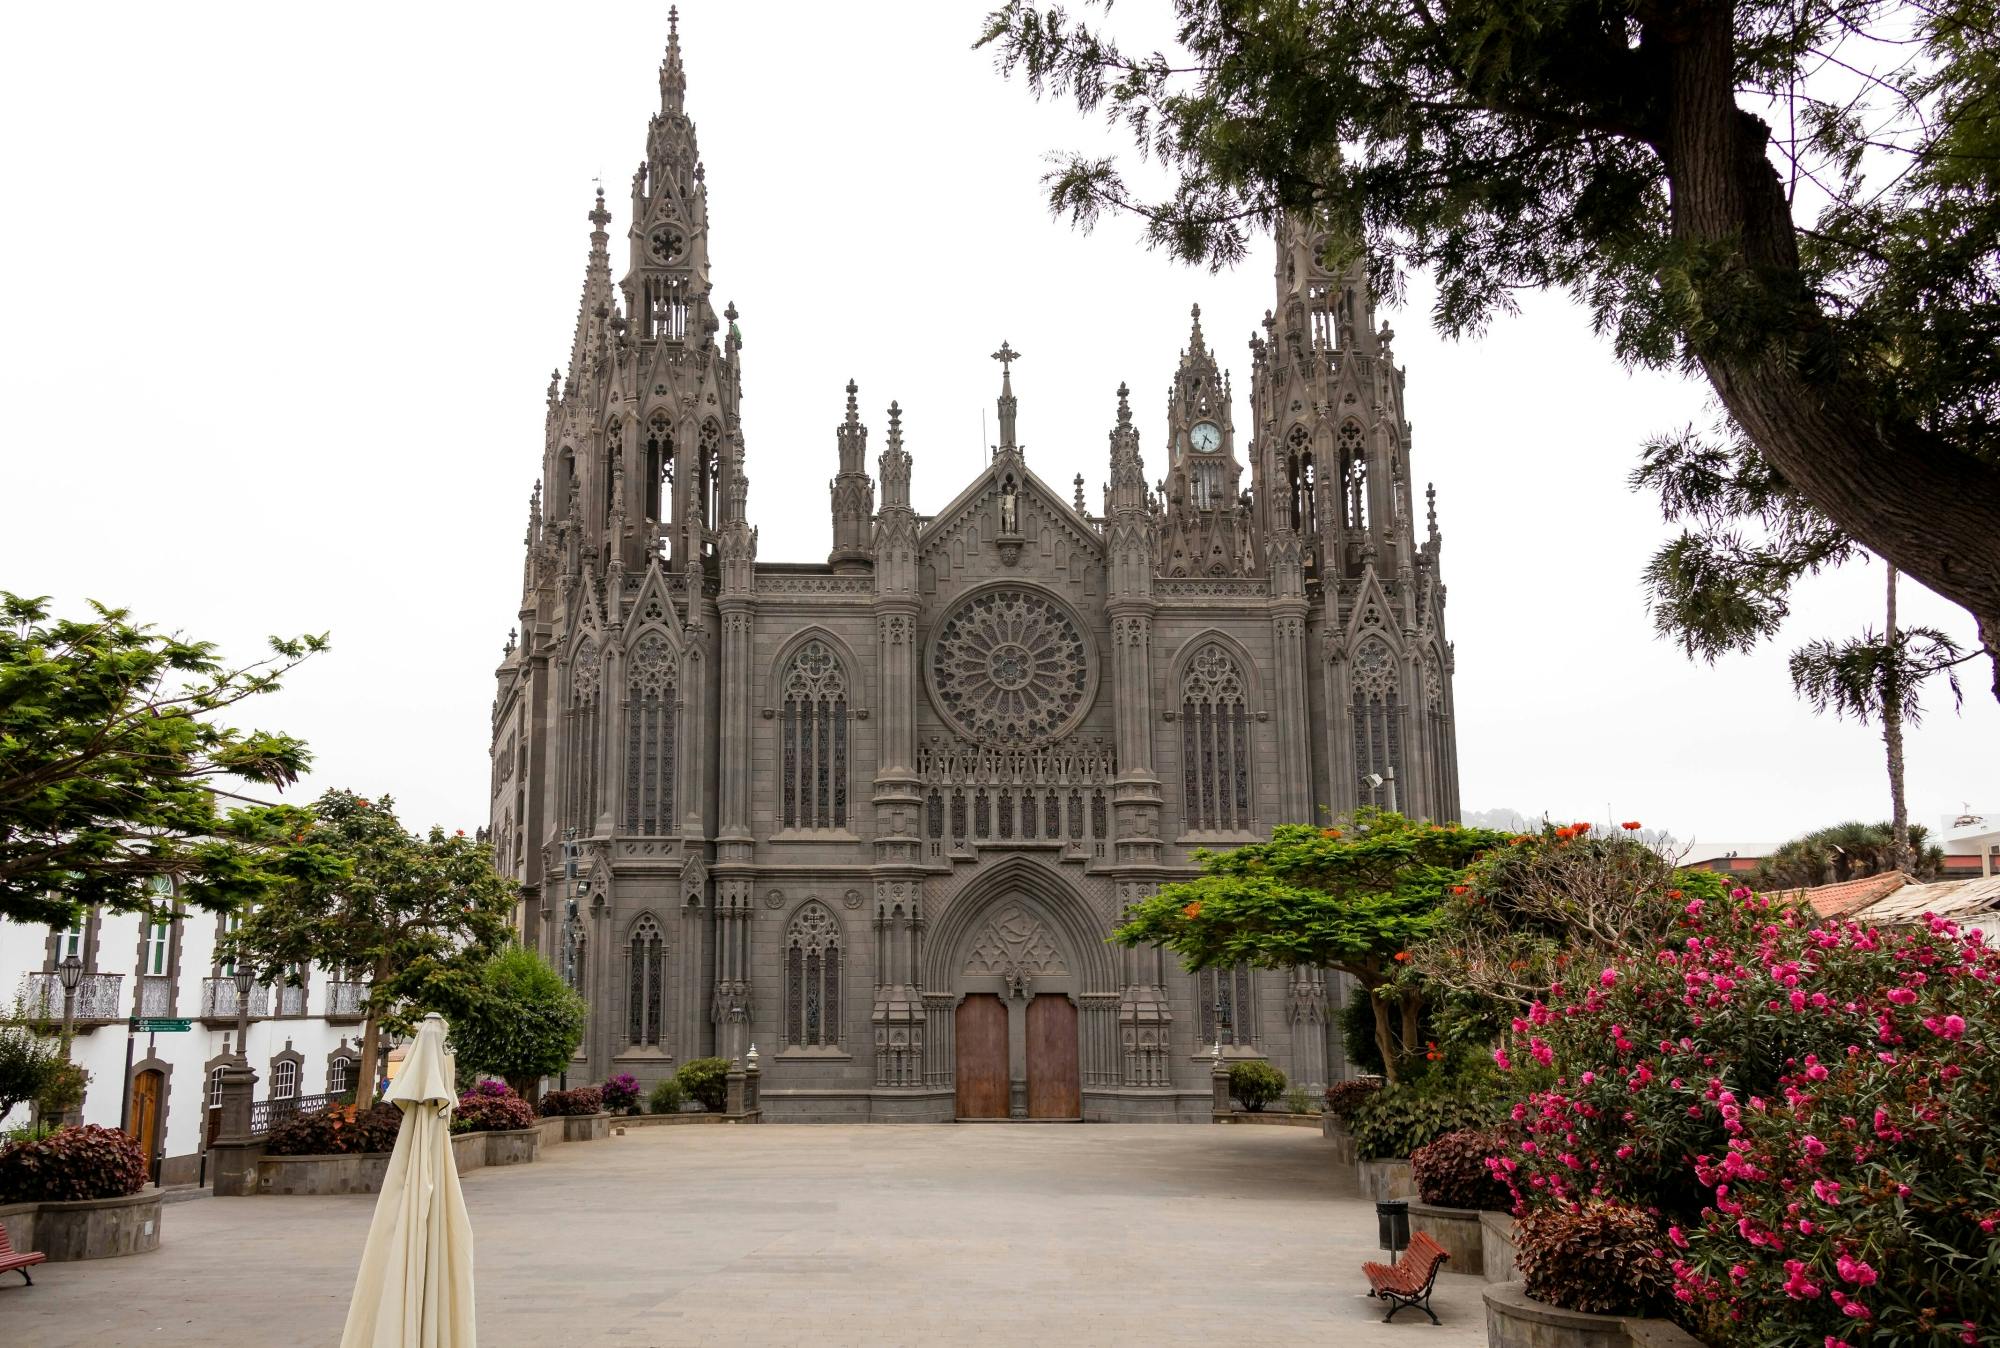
(645, 992)
(1215, 743)
(1227, 1005)
(1302, 475)
(1353, 477)
(659, 468)
(585, 673)
(708, 488)
(814, 730)
(812, 979)
(934, 814)
(650, 695)
(1444, 767)
(1378, 726)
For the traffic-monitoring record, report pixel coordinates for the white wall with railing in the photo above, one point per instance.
(171, 971)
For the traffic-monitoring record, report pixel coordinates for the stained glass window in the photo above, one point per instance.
(814, 727)
(645, 998)
(812, 979)
(650, 683)
(1215, 743)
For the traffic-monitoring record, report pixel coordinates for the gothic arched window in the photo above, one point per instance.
(814, 729)
(585, 673)
(645, 989)
(812, 979)
(1378, 726)
(1227, 1007)
(659, 468)
(1353, 477)
(1302, 476)
(1444, 770)
(1215, 743)
(709, 486)
(650, 687)
(614, 447)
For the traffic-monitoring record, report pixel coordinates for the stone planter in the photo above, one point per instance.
(514, 1146)
(584, 1128)
(1514, 1320)
(98, 1228)
(1457, 1229)
(1386, 1178)
(1337, 1132)
(1497, 1247)
(1282, 1120)
(346, 1174)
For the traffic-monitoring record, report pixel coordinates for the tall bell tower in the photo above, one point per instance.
(1208, 525)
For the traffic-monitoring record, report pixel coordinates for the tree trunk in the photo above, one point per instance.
(1892, 739)
(371, 1044)
(1385, 1039)
(1902, 491)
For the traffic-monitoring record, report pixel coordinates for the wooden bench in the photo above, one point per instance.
(1410, 1280)
(11, 1262)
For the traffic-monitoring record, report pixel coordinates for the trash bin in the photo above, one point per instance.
(1392, 1215)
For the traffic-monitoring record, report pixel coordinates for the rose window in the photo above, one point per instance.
(1010, 664)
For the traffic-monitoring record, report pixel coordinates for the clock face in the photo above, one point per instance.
(1206, 437)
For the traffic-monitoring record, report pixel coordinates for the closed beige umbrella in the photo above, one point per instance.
(415, 1285)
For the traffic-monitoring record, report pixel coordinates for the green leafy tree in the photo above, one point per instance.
(417, 916)
(522, 1022)
(110, 748)
(29, 1063)
(1353, 898)
(1848, 851)
(1801, 202)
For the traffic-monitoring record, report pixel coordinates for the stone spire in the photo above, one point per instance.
(596, 304)
(853, 494)
(1007, 355)
(673, 79)
(895, 465)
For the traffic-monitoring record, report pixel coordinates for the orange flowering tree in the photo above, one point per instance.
(1525, 913)
(1353, 898)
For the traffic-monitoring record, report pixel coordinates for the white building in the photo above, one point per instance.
(303, 1041)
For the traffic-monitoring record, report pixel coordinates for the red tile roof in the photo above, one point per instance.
(1843, 898)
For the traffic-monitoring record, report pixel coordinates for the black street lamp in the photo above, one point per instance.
(69, 973)
(244, 979)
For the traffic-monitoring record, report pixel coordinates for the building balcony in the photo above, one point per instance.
(97, 1001)
(218, 1001)
(343, 1000)
(291, 1000)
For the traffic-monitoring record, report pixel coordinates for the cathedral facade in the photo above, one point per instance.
(877, 815)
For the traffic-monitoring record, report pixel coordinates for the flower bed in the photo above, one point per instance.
(1796, 1112)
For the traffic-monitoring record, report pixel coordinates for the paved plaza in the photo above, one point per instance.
(1021, 1234)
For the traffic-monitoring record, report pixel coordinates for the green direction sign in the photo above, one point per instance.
(147, 1025)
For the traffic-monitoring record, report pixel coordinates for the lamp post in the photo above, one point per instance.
(69, 973)
(244, 978)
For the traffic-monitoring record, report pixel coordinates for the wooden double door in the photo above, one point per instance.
(984, 1032)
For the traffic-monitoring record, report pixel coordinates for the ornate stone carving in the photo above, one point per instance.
(1374, 673)
(1014, 942)
(1010, 664)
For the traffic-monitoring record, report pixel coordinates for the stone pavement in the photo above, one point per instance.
(992, 1234)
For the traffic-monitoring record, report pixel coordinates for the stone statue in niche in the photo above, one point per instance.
(1010, 508)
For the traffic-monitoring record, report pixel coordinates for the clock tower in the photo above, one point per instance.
(1208, 527)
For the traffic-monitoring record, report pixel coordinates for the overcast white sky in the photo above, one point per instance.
(283, 286)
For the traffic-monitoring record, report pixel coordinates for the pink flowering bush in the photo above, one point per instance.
(1810, 1110)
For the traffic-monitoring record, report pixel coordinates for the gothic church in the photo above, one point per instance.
(877, 815)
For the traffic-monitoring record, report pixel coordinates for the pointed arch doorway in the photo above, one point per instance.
(1015, 1029)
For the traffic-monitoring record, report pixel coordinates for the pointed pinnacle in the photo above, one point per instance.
(853, 410)
(895, 423)
(599, 216)
(1124, 405)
